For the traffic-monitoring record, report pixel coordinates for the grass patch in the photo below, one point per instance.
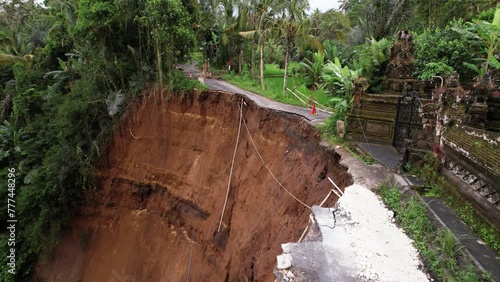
(274, 69)
(274, 88)
(319, 95)
(276, 83)
(437, 246)
(367, 159)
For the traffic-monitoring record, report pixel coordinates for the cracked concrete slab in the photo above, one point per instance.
(359, 242)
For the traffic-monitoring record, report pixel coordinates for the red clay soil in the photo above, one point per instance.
(161, 189)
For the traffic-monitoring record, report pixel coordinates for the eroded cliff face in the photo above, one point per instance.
(162, 185)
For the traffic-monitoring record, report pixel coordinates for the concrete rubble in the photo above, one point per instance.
(356, 240)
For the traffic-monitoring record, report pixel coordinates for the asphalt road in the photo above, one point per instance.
(217, 84)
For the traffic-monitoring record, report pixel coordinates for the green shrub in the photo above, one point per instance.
(438, 248)
(445, 47)
(312, 69)
(448, 247)
(182, 82)
(372, 58)
(338, 80)
(434, 69)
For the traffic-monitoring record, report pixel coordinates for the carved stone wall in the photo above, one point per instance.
(373, 121)
(493, 115)
(472, 161)
(452, 121)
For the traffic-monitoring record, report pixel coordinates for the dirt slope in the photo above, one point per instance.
(161, 189)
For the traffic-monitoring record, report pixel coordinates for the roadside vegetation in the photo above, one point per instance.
(274, 84)
(69, 68)
(441, 253)
(67, 71)
(326, 55)
(437, 186)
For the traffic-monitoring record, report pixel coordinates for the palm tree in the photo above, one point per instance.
(315, 19)
(13, 43)
(67, 7)
(263, 15)
(235, 14)
(332, 25)
(219, 25)
(384, 17)
(292, 26)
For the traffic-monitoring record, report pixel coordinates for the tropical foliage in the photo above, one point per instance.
(68, 69)
(312, 69)
(372, 58)
(447, 47)
(487, 35)
(339, 79)
(66, 73)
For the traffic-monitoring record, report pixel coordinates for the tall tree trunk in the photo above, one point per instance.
(240, 60)
(285, 76)
(252, 62)
(158, 58)
(262, 67)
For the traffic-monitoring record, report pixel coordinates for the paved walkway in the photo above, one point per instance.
(216, 84)
(386, 155)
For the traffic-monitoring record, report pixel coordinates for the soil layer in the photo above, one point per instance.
(161, 187)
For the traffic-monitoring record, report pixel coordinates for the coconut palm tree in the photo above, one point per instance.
(263, 27)
(385, 17)
(293, 25)
(67, 7)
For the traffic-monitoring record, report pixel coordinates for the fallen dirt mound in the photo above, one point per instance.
(162, 187)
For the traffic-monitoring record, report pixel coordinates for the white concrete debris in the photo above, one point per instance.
(284, 261)
(380, 250)
(361, 243)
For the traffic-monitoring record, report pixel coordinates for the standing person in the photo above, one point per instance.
(229, 66)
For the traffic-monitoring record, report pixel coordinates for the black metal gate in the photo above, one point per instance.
(406, 119)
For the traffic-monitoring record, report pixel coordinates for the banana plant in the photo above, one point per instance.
(488, 35)
(338, 80)
(69, 70)
(314, 68)
(9, 141)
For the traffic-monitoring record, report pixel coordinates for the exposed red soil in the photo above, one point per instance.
(162, 184)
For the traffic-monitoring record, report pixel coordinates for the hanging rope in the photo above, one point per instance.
(260, 156)
(190, 257)
(232, 165)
